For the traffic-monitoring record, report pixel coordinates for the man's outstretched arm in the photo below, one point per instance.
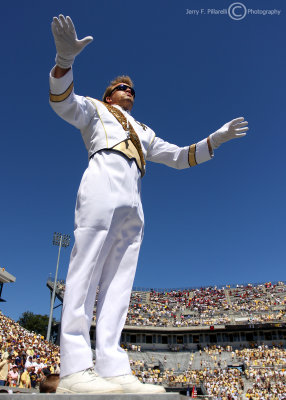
(59, 72)
(72, 108)
(67, 44)
(163, 152)
(234, 129)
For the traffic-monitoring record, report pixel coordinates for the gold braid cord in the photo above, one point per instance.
(126, 125)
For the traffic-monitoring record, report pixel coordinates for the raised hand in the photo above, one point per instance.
(67, 44)
(234, 129)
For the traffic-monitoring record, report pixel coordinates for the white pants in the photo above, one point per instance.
(108, 233)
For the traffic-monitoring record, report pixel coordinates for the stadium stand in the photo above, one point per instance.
(24, 352)
(204, 306)
(227, 342)
(5, 277)
(179, 320)
(247, 361)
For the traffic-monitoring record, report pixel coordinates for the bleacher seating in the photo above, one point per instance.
(205, 306)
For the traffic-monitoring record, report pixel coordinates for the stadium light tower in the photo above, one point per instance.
(61, 241)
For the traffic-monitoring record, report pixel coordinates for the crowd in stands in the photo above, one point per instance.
(266, 380)
(266, 371)
(208, 306)
(163, 316)
(218, 381)
(263, 356)
(205, 306)
(131, 347)
(256, 298)
(266, 383)
(26, 358)
(178, 308)
(223, 383)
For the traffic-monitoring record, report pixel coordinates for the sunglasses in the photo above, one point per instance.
(123, 88)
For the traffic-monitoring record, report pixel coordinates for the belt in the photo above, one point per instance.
(129, 150)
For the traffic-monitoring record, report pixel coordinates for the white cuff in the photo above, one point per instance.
(61, 86)
(202, 152)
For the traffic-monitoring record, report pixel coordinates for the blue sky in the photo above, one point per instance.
(220, 222)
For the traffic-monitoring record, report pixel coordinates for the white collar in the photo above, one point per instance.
(121, 109)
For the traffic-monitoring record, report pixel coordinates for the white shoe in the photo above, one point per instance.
(86, 381)
(130, 384)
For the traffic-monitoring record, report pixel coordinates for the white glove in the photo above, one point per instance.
(67, 44)
(231, 130)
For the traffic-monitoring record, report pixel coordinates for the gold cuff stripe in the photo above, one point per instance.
(192, 155)
(56, 98)
(210, 147)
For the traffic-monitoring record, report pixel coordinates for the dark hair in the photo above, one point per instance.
(50, 383)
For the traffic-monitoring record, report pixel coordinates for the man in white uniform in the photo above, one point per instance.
(108, 218)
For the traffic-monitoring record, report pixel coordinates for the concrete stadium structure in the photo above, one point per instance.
(5, 277)
(241, 330)
(37, 396)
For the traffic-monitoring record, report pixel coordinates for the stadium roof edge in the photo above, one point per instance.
(5, 277)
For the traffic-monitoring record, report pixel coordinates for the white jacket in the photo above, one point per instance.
(101, 130)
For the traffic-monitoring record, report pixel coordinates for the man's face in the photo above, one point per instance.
(122, 98)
